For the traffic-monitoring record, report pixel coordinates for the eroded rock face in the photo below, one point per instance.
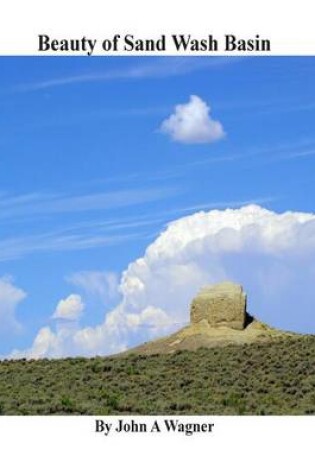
(222, 305)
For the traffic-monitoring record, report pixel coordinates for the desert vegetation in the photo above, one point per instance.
(262, 379)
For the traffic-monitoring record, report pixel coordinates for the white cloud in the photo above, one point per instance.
(192, 123)
(10, 297)
(49, 343)
(85, 234)
(101, 284)
(271, 254)
(33, 204)
(159, 67)
(70, 308)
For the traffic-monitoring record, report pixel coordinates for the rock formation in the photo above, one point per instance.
(221, 305)
(218, 317)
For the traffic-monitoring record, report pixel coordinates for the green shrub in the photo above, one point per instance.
(267, 378)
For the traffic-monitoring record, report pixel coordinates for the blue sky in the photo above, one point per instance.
(89, 177)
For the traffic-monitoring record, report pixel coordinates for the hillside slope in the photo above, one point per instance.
(218, 317)
(275, 377)
(203, 335)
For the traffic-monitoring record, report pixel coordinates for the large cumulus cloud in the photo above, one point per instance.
(271, 254)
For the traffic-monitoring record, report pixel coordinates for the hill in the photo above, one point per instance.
(203, 335)
(218, 317)
(224, 362)
(272, 377)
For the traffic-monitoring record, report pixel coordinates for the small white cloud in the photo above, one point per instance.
(69, 309)
(10, 297)
(192, 123)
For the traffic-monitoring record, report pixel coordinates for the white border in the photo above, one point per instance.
(289, 25)
(238, 445)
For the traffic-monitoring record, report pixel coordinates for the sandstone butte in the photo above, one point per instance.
(218, 317)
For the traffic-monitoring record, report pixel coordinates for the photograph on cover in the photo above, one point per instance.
(157, 240)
